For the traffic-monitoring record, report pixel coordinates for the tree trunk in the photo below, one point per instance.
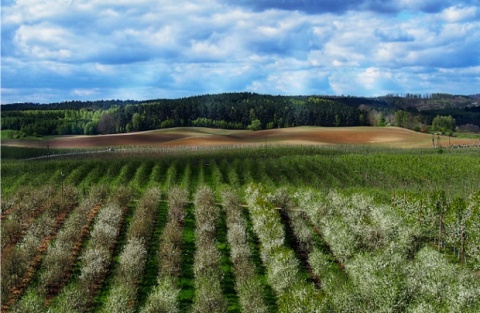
(440, 228)
(462, 245)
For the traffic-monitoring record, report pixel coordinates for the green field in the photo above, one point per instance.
(266, 229)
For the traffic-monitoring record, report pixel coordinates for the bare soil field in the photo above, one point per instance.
(199, 136)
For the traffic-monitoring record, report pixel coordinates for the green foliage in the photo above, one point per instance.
(208, 275)
(444, 124)
(163, 298)
(231, 111)
(11, 134)
(390, 271)
(255, 125)
(283, 268)
(354, 217)
(31, 302)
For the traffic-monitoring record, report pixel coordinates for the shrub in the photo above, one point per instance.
(59, 258)
(207, 262)
(132, 261)
(120, 299)
(11, 228)
(72, 299)
(177, 199)
(122, 196)
(14, 265)
(163, 299)
(95, 262)
(208, 295)
(283, 271)
(99, 192)
(251, 294)
(54, 263)
(170, 260)
(31, 302)
(205, 209)
(144, 218)
(206, 266)
(247, 285)
(164, 296)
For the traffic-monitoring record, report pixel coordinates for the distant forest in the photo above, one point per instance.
(435, 112)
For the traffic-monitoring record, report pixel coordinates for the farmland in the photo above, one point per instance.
(262, 226)
(200, 136)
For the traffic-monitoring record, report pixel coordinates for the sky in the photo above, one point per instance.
(62, 50)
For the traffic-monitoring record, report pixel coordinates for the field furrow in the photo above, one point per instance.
(126, 173)
(26, 257)
(294, 292)
(226, 263)
(61, 256)
(171, 176)
(186, 281)
(96, 259)
(207, 270)
(164, 295)
(248, 285)
(156, 173)
(141, 175)
(121, 295)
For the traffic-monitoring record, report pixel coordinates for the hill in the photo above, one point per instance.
(394, 137)
(238, 111)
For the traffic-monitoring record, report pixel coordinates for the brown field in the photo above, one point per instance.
(191, 136)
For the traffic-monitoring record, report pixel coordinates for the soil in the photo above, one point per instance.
(199, 136)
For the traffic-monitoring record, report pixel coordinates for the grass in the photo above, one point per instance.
(467, 135)
(260, 269)
(6, 134)
(186, 281)
(228, 282)
(150, 275)
(292, 241)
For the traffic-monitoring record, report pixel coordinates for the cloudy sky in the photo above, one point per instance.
(57, 50)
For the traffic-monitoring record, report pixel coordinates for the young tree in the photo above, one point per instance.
(440, 207)
(444, 124)
(472, 229)
(106, 124)
(255, 125)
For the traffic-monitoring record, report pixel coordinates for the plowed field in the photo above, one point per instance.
(191, 136)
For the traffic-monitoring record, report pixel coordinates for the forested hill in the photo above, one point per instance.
(234, 111)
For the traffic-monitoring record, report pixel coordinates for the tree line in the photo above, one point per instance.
(228, 110)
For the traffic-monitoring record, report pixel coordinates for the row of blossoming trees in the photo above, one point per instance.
(299, 250)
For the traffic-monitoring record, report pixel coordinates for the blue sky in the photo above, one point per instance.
(60, 50)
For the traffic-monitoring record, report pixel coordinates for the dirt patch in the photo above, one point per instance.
(191, 136)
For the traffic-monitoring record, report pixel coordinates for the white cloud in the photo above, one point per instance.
(85, 92)
(194, 47)
(44, 34)
(456, 14)
(374, 78)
